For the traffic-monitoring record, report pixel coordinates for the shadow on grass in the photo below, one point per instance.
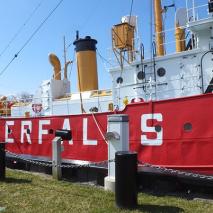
(157, 209)
(15, 180)
(187, 194)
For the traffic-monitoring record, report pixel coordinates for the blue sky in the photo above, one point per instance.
(90, 17)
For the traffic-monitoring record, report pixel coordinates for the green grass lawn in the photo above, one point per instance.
(25, 192)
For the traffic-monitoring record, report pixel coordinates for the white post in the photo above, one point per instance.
(118, 138)
(56, 158)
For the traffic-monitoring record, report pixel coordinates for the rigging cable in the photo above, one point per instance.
(21, 28)
(73, 59)
(175, 7)
(31, 37)
(84, 24)
(90, 15)
(102, 58)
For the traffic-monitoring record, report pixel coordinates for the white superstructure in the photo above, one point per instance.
(173, 75)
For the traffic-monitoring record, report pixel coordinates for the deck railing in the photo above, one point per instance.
(37, 106)
(150, 94)
(196, 11)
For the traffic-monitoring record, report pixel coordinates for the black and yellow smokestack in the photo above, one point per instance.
(86, 63)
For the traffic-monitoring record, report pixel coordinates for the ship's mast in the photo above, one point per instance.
(65, 59)
(66, 63)
(151, 28)
(65, 52)
(159, 28)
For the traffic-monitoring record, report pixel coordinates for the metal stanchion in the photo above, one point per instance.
(2, 160)
(60, 135)
(56, 158)
(118, 138)
(126, 179)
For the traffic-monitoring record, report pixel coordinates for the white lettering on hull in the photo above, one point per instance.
(42, 131)
(24, 126)
(147, 129)
(66, 125)
(85, 140)
(145, 140)
(7, 139)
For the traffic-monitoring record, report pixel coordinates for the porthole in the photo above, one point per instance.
(141, 75)
(161, 72)
(158, 128)
(119, 80)
(187, 127)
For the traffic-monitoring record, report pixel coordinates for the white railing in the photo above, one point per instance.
(196, 12)
(170, 41)
(70, 104)
(101, 105)
(169, 47)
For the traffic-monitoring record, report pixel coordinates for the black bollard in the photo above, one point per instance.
(2, 161)
(126, 179)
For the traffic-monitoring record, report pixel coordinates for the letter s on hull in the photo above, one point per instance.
(148, 129)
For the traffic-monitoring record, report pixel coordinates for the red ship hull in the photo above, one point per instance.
(173, 133)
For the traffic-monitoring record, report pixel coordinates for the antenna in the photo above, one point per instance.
(77, 34)
(65, 52)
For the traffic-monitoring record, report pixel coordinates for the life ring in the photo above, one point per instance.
(137, 100)
(37, 108)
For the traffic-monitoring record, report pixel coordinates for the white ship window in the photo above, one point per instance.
(119, 80)
(161, 72)
(141, 75)
(187, 127)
